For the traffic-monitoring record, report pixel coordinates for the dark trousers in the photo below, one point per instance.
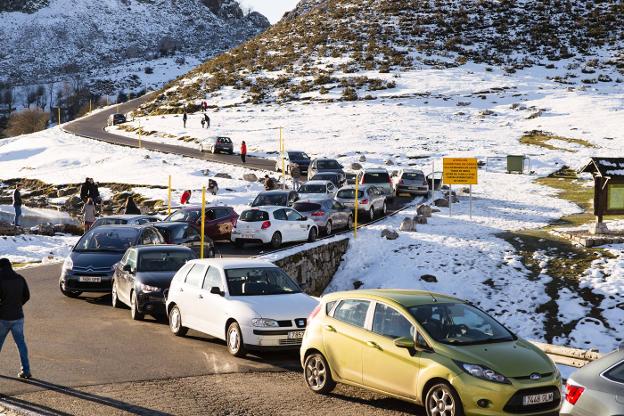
(243, 157)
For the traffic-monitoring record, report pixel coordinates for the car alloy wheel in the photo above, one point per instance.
(234, 340)
(385, 209)
(317, 374)
(276, 240)
(134, 311)
(350, 223)
(443, 401)
(114, 296)
(312, 235)
(175, 322)
(328, 228)
(371, 214)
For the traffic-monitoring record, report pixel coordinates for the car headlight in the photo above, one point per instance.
(148, 288)
(68, 264)
(262, 322)
(483, 373)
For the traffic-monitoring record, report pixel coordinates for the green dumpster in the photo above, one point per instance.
(515, 164)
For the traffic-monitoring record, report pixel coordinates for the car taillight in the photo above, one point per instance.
(318, 213)
(389, 179)
(234, 220)
(314, 312)
(573, 393)
(266, 225)
(364, 201)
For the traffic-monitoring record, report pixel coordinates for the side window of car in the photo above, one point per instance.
(352, 311)
(213, 278)
(337, 205)
(293, 215)
(330, 187)
(158, 237)
(132, 259)
(195, 277)
(210, 215)
(191, 233)
(390, 323)
(292, 197)
(280, 214)
(221, 213)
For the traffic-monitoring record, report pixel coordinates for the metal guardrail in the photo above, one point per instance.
(570, 357)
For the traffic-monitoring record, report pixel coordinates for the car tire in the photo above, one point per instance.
(384, 210)
(371, 214)
(69, 293)
(234, 340)
(317, 374)
(134, 308)
(328, 228)
(312, 235)
(114, 297)
(238, 243)
(443, 396)
(276, 240)
(175, 322)
(350, 223)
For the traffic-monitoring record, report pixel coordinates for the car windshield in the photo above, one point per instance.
(349, 194)
(298, 156)
(184, 215)
(260, 281)
(254, 215)
(376, 177)
(328, 164)
(110, 221)
(117, 240)
(163, 261)
(312, 189)
(306, 206)
(459, 324)
(270, 199)
(413, 176)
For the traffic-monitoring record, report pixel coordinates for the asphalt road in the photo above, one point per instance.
(91, 359)
(92, 127)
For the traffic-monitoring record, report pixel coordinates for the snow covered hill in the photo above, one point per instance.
(349, 49)
(56, 40)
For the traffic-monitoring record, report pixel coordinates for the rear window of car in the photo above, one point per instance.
(312, 189)
(413, 176)
(183, 215)
(376, 177)
(110, 221)
(616, 373)
(327, 164)
(271, 199)
(298, 156)
(349, 194)
(306, 206)
(224, 140)
(254, 215)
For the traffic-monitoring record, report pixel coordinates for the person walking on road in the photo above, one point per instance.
(184, 118)
(14, 294)
(89, 211)
(186, 197)
(17, 204)
(207, 120)
(243, 151)
(131, 207)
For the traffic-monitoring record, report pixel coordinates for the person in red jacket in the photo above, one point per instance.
(243, 151)
(186, 197)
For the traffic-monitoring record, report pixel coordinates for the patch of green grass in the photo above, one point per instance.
(542, 139)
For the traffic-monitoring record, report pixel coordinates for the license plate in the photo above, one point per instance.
(90, 279)
(248, 236)
(295, 335)
(538, 399)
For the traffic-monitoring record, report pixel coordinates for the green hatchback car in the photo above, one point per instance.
(437, 351)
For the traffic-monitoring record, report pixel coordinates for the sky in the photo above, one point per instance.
(272, 9)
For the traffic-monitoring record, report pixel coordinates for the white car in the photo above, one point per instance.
(250, 304)
(273, 225)
(315, 190)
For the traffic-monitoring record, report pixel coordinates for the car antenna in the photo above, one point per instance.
(434, 298)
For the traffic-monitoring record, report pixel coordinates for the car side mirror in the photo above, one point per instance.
(303, 219)
(406, 343)
(127, 268)
(216, 291)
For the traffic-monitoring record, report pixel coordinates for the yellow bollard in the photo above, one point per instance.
(203, 222)
(169, 197)
(355, 211)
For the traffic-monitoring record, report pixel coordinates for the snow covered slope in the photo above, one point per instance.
(59, 39)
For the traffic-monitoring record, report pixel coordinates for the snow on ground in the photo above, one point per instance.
(35, 248)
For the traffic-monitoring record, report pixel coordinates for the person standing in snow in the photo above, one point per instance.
(204, 105)
(243, 151)
(17, 204)
(131, 207)
(14, 294)
(84, 190)
(207, 120)
(89, 211)
(94, 191)
(295, 173)
(184, 118)
(203, 122)
(186, 197)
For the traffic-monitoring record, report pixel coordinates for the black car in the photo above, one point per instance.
(183, 233)
(115, 119)
(143, 275)
(89, 266)
(275, 198)
(294, 157)
(334, 177)
(219, 220)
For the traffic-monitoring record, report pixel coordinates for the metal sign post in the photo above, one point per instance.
(450, 200)
(459, 171)
(355, 211)
(282, 149)
(169, 197)
(203, 222)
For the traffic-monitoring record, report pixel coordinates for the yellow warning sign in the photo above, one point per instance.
(459, 171)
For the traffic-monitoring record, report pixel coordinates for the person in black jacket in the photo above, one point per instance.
(131, 207)
(14, 294)
(84, 190)
(94, 191)
(17, 204)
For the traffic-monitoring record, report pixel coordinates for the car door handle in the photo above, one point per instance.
(373, 344)
(329, 328)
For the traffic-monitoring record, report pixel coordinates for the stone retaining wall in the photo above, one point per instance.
(313, 268)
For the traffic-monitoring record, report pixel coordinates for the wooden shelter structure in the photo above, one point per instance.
(608, 173)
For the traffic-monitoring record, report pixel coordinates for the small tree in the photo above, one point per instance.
(27, 121)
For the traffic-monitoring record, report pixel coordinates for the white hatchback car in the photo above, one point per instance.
(315, 190)
(250, 304)
(273, 225)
